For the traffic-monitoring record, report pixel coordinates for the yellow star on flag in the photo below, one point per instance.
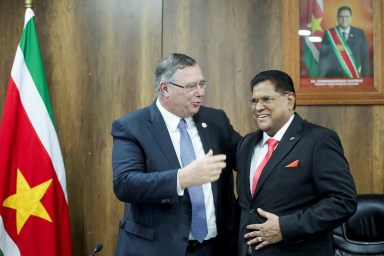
(26, 201)
(340, 47)
(315, 24)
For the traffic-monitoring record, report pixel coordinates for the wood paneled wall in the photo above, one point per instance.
(100, 58)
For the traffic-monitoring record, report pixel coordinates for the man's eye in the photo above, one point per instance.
(190, 86)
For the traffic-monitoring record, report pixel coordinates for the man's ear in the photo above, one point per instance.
(291, 100)
(164, 87)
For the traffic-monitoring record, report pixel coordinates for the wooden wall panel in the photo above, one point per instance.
(110, 73)
(11, 26)
(361, 131)
(232, 41)
(100, 58)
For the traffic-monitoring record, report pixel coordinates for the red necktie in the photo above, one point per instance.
(271, 146)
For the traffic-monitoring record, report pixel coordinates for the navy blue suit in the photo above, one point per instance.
(311, 199)
(156, 220)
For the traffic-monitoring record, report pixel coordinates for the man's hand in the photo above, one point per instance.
(202, 170)
(265, 233)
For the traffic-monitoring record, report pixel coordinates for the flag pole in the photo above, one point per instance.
(28, 3)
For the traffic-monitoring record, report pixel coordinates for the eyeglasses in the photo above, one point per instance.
(192, 86)
(265, 101)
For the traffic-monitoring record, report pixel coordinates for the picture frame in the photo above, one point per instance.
(368, 92)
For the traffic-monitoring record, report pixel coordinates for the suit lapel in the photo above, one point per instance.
(204, 130)
(159, 131)
(288, 141)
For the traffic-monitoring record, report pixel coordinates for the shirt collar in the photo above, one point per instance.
(171, 120)
(345, 30)
(280, 133)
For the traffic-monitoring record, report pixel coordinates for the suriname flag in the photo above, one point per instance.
(34, 216)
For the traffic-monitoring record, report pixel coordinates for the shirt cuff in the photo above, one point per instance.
(180, 191)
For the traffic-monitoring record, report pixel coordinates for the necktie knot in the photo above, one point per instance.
(272, 143)
(182, 124)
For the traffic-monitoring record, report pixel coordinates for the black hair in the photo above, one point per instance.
(344, 8)
(282, 81)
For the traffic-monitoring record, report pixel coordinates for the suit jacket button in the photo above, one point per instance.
(252, 211)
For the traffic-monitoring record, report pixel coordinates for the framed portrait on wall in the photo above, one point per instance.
(333, 50)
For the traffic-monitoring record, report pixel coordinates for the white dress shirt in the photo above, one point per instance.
(261, 149)
(172, 122)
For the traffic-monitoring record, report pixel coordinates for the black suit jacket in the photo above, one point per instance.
(310, 199)
(329, 65)
(156, 220)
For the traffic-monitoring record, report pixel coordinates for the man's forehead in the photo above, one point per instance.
(345, 13)
(189, 74)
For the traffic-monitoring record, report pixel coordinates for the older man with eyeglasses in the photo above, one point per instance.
(172, 167)
(293, 180)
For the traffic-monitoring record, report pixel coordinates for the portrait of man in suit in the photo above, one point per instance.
(344, 51)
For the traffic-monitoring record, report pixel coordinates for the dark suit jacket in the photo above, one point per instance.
(156, 220)
(310, 199)
(329, 65)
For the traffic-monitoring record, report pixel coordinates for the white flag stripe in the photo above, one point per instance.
(7, 245)
(29, 14)
(38, 115)
(313, 48)
(320, 3)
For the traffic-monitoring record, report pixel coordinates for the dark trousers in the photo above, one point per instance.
(207, 248)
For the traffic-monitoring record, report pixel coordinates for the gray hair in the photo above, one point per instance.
(168, 66)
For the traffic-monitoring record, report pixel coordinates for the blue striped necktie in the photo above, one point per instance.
(199, 227)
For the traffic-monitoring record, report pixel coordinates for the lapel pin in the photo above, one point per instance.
(204, 125)
(292, 138)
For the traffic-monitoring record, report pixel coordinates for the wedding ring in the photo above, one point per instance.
(259, 239)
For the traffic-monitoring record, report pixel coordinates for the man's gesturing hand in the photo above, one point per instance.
(202, 170)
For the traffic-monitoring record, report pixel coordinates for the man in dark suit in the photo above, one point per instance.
(150, 177)
(304, 191)
(344, 49)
